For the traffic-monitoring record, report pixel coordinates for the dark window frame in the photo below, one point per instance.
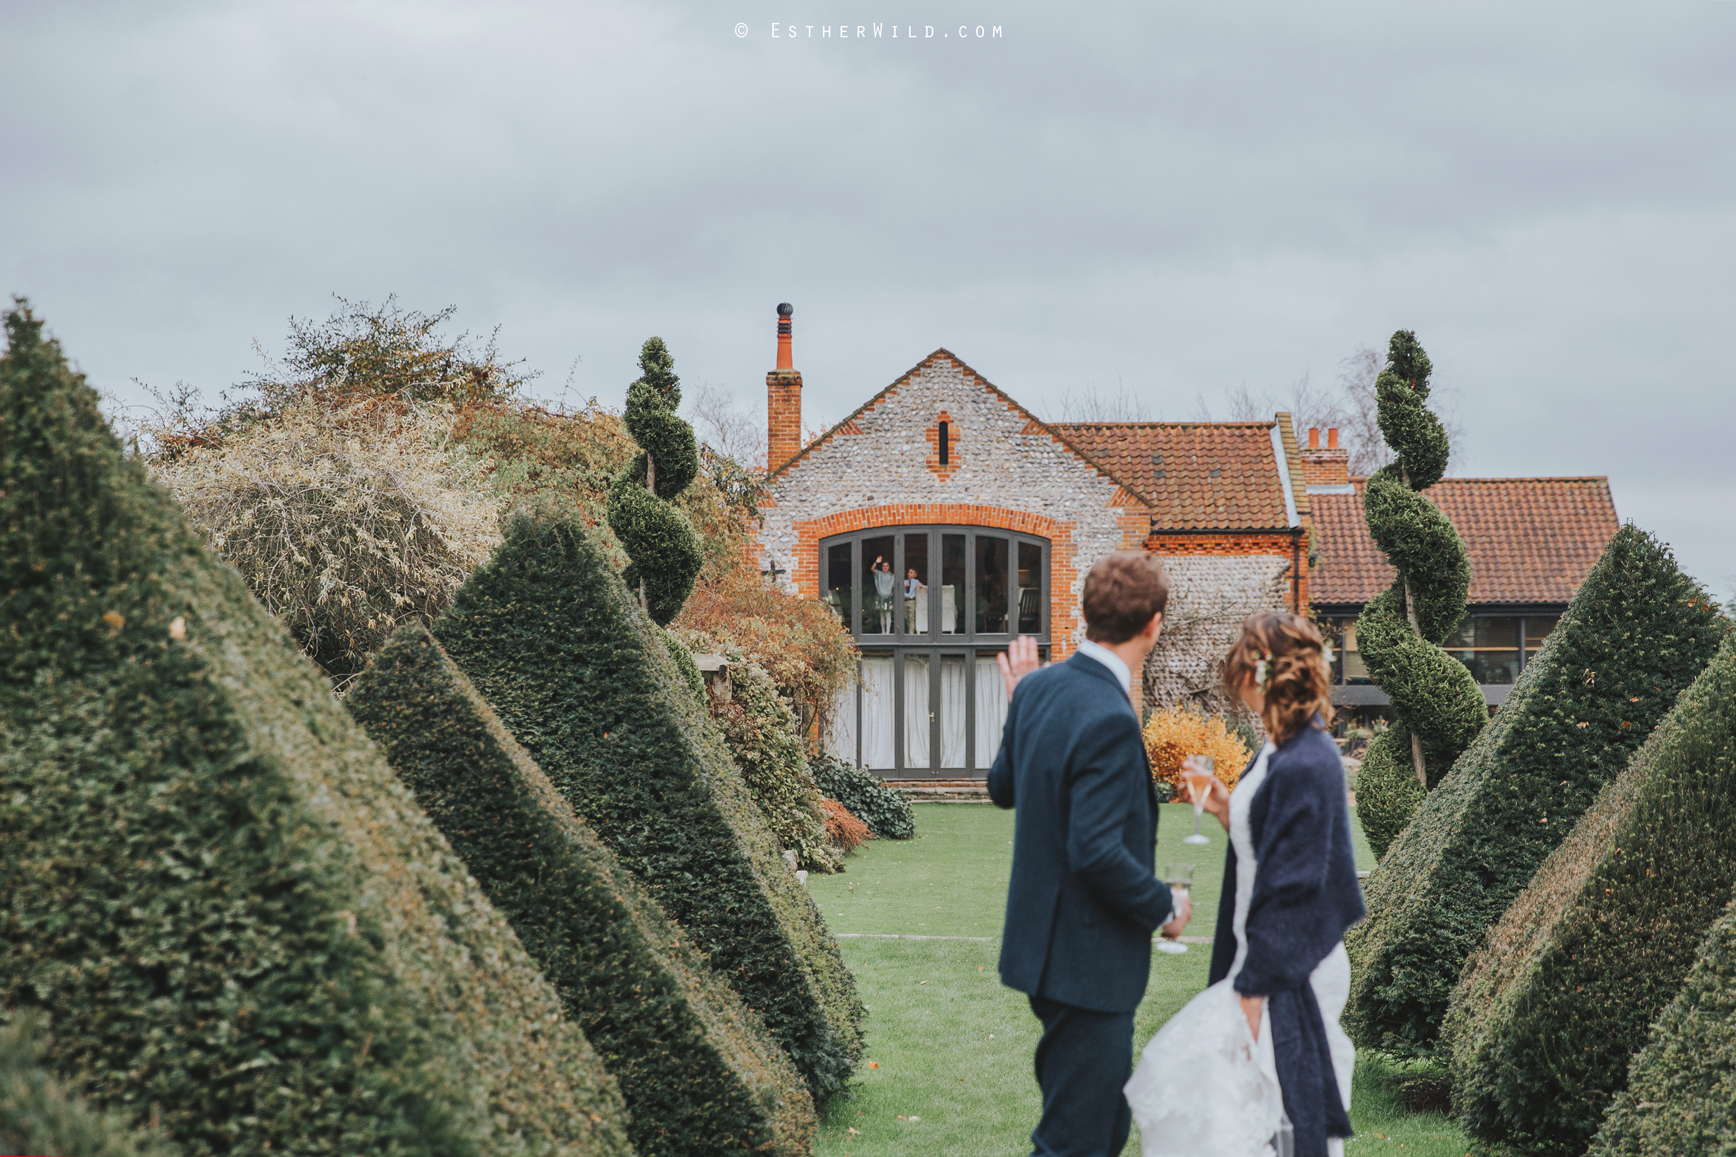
(1520, 614)
(931, 642)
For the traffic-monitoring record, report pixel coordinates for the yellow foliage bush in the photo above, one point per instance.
(1174, 734)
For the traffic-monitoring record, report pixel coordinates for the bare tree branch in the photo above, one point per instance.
(731, 431)
(1092, 405)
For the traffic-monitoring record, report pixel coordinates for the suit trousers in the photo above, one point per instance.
(1083, 1061)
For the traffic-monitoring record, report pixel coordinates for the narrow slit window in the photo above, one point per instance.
(945, 450)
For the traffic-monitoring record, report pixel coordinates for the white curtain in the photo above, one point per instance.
(916, 711)
(841, 741)
(949, 610)
(991, 711)
(877, 714)
(953, 717)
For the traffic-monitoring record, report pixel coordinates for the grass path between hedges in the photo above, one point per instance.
(951, 1048)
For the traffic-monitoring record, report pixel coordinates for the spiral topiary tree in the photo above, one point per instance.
(658, 538)
(1439, 706)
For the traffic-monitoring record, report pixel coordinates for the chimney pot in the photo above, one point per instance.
(783, 399)
(1332, 438)
(1314, 437)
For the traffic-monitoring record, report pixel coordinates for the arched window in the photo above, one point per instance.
(931, 607)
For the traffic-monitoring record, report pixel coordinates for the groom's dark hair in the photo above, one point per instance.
(1122, 592)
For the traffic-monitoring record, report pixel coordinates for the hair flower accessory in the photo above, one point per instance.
(1260, 670)
(1326, 653)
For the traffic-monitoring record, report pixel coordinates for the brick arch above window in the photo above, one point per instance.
(943, 446)
(1063, 602)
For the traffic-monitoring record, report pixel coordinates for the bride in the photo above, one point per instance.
(1262, 1045)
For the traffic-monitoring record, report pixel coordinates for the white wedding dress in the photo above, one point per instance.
(1204, 1087)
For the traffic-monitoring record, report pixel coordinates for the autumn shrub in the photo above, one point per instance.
(39, 1115)
(345, 521)
(245, 928)
(548, 457)
(580, 675)
(1681, 1088)
(698, 1071)
(1174, 733)
(885, 810)
(800, 642)
(1637, 632)
(844, 829)
(1550, 1010)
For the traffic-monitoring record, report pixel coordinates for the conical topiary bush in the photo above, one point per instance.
(581, 676)
(699, 1073)
(244, 927)
(38, 1115)
(1637, 632)
(1553, 1006)
(1681, 1089)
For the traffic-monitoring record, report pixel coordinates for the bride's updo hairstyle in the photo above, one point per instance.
(1286, 657)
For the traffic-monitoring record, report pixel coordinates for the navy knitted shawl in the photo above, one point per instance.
(1305, 897)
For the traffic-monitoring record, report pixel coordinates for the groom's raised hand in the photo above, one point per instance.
(1183, 913)
(1019, 660)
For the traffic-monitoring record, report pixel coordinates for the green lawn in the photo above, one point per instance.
(950, 1048)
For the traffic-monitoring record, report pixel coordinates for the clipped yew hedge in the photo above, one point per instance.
(698, 1071)
(246, 930)
(1553, 1006)
(580, 675)
(1637, 632)
(1681, 1088)
(38, 1115)
(765, 741)
(885, 810)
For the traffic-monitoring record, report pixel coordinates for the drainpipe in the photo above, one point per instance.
(1296, 570)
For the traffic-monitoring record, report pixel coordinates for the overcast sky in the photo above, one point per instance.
(1170, 199)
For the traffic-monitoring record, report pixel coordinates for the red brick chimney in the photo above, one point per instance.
(783, 400)
(1327, 465)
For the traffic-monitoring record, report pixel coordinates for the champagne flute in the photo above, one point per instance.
(1197, 771)
(1179, 877)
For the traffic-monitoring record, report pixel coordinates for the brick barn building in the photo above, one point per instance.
(1531, 541)
(941, 519)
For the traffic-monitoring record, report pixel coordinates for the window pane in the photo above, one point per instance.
(952, 579)
(837, 594)
(841, 731)
(916, 709)
(877, 711)
(1464, 638)
(914, 582)
(1030, 588)
(1355, 669)
(879, 586)
(954, 711)
(991, 709)
(1489, 646)
(1497, 650)
(991, 590)
(1537, 628)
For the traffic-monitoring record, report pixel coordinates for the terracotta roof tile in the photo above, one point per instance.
(1198, 475)
(1531, 540)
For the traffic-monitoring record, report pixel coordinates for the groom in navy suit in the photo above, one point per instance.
(1084, 898)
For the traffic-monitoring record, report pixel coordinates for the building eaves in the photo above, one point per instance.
(1032, 420)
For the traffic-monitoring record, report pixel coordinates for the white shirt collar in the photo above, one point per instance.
(1109, 659)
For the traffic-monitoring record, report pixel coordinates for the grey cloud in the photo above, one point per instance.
(1171, 197)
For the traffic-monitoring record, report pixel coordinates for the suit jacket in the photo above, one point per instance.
(1084, 899)
(1305, 898)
